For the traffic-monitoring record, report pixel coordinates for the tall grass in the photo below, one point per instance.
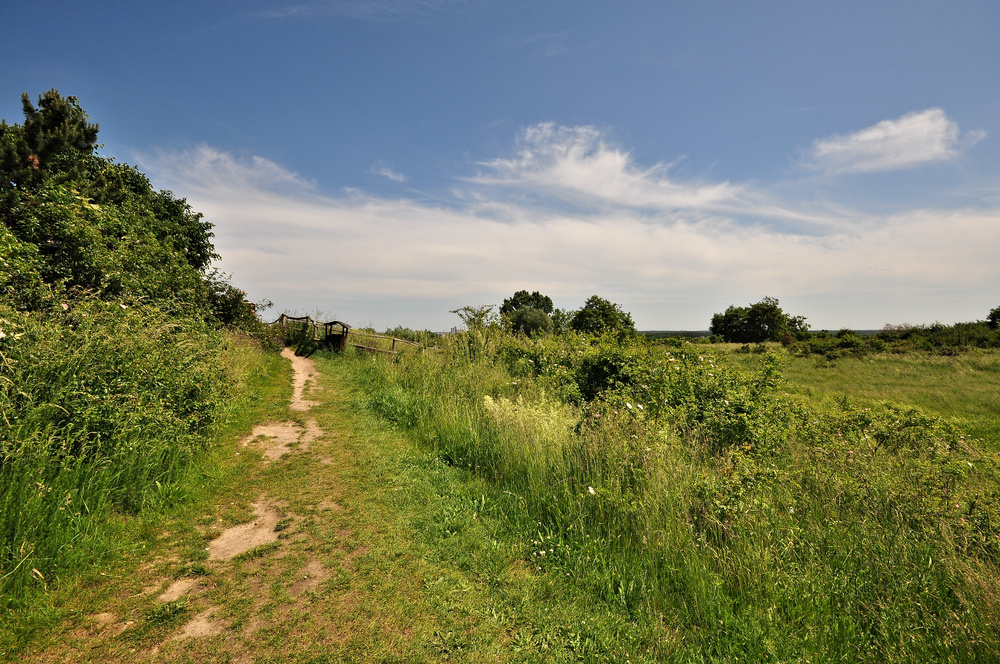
(700, 496)
(101, 407)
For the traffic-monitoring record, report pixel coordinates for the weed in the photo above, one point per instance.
(168, 613)
(258, 552)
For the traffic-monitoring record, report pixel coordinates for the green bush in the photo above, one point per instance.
(101, 406)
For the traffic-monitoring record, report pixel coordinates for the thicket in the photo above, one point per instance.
(700, 497)
(110, 371)
(763, 321)
(937, 338)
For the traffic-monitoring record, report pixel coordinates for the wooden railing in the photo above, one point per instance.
(337, 335)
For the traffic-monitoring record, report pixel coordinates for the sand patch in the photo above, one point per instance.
(176, 590)
(304, 378)
(327, 504)
(199, 626)
(276, 439)
(238, 539)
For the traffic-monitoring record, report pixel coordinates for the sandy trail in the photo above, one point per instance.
(276, 440)
(304, 376)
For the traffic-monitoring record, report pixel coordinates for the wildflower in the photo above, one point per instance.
(629, 405)
(591, 490)
(640, 406)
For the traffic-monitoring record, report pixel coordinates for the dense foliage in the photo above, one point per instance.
(109, 350)
(600, 316)
(522, 299)
(763, 321)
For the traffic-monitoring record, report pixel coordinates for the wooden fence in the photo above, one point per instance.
(338, 335)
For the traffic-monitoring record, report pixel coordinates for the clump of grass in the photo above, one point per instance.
(168, 613)
(258, 552)
(103, 408)
(194, 570)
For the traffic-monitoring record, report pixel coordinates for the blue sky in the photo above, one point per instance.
(386, 161)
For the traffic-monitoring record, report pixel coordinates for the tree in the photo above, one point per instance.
(530, 321)
(763, 321)
(476, 318)
(994, 318)
(599, 316)
(74, 223)
(49, 143)
(522, 299)
(527, 313)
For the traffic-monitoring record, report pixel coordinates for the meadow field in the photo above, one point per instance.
(733, 506)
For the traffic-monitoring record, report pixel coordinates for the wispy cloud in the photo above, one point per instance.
(576, 163)
(378, 168)
(916, 138)
(579, 168)
(209, 169)
(368, 10)
(659, 248)
(546, 45)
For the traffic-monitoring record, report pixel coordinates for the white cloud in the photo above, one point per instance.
(209, 169)
(381, 169)
(576, 164)
(658, 247)
(911, 140)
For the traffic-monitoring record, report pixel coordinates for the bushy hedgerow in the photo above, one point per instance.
(102, 405)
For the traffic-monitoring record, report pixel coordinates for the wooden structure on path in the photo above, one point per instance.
(337, 335)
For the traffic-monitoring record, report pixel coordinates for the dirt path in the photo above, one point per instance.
(257, 574)
(326, 538)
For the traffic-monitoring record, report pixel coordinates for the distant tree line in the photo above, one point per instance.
(765, 321)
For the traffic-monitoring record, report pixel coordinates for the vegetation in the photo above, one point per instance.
(697, 497)
(111, 354)
(764, 321)
(599, 316)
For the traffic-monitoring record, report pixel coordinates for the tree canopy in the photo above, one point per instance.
(994, 318)
(599, 316)
(76, 223)
(763, 321)
(522, 298)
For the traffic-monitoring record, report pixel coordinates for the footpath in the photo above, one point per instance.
(308, 553)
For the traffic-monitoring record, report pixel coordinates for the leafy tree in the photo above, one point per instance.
(599, 316)
(530, 321)
(73, 222)
(170, 219)
(49, 143)
(523, 299)
(527, 313)
(994, 318)
(560, 320)
(476, 317)
(763, 321)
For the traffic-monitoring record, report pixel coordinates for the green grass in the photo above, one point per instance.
(751, 525)
(964, 386)
(497, 499)
(71, 543)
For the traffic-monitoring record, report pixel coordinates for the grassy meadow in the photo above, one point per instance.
(722, 502)
(964, 386)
